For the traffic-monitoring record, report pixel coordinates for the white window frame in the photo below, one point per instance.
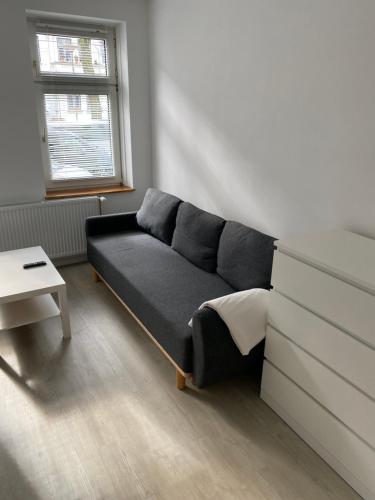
(54, 84)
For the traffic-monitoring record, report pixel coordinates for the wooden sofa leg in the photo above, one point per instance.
(96, 276)
(180, 381)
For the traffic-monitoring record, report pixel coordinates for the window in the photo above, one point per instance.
(76, 85)
(64, 48)
(74, 103)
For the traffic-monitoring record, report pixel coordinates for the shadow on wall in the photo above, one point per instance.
(275, 187)
(195, 154)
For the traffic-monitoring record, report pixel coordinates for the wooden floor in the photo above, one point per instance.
(99, 417)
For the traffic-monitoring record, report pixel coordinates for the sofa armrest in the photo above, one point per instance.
(215, 355)
(111, 223)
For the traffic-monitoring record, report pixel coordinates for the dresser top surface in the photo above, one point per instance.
(339, 252)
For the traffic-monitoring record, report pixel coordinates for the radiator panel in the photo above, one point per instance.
(57, 226)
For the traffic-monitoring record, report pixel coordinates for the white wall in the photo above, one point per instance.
(21, 176)
(264, 110)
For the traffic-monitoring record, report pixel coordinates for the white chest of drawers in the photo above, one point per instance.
(319, 368)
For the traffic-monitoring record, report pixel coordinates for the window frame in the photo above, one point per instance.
(45, 83)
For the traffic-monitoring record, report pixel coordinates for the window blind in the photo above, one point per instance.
(79, 135)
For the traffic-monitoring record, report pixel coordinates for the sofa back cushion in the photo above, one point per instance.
(245, 257)
(197, 236)
(157, 215)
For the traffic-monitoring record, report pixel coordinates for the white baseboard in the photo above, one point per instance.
(67, 261)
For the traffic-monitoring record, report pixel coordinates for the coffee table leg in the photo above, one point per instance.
(64, 311)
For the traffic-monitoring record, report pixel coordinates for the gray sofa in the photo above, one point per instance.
(166, 259)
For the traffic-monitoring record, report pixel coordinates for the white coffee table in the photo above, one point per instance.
(25, 294)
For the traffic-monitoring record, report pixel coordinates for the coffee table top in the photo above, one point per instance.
(17, 283)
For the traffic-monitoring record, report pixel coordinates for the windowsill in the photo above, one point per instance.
(79, 192)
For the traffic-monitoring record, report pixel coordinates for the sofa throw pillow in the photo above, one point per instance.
(157, 215)
(244, 258)
(197, 235)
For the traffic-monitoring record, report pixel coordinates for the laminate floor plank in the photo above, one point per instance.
(99, 417)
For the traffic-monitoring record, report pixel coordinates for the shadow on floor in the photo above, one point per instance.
(36, 365)
(13, 482)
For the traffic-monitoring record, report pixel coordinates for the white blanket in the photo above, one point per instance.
(245, 314)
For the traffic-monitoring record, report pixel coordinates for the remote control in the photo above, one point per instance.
(35, 264)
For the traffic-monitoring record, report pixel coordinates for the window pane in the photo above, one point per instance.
(74, 56)
(79, 136)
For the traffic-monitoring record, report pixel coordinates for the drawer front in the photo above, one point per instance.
(347, 356)
(342, 449)
(345, 305)
(348, 404)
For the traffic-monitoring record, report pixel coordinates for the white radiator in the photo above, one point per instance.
(57, 226)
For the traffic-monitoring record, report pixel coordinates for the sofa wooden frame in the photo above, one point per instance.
(181, 376)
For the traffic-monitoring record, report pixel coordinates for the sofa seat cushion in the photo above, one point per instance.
(245, 256)
(197, 236)
(160, 286)
(157, 215)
